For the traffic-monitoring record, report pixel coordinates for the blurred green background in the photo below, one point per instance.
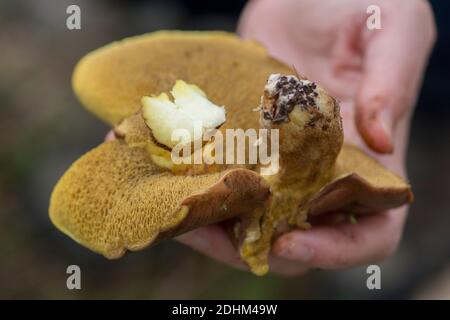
(44, 129)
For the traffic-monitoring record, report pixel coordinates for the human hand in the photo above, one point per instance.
(376, 75)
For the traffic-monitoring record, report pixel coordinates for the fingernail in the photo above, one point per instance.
(385, 117)
(386, 123)
(295, 251)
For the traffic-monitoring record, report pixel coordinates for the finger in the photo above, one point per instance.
(215, 242)
(110, 136)
(371, 239)
(286, 267)
(394, 61)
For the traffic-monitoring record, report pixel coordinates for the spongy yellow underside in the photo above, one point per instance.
(113, 199)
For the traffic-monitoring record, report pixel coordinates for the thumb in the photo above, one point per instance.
(394, 61)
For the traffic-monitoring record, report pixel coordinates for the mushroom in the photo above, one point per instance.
(120, 197)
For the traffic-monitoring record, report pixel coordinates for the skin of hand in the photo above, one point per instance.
(376, 75)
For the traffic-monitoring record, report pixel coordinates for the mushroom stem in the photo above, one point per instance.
(310, 138)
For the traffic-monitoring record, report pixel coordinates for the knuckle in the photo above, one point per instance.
(387, 98)
(353, 235)
(369, 103)
(424, 6)
(347, 237)
(424, 10)
(378, 99)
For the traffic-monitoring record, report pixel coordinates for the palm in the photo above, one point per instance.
(327, 41)
(329, 53)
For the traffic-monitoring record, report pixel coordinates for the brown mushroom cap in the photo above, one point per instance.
(360, 185)
(111, 81)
